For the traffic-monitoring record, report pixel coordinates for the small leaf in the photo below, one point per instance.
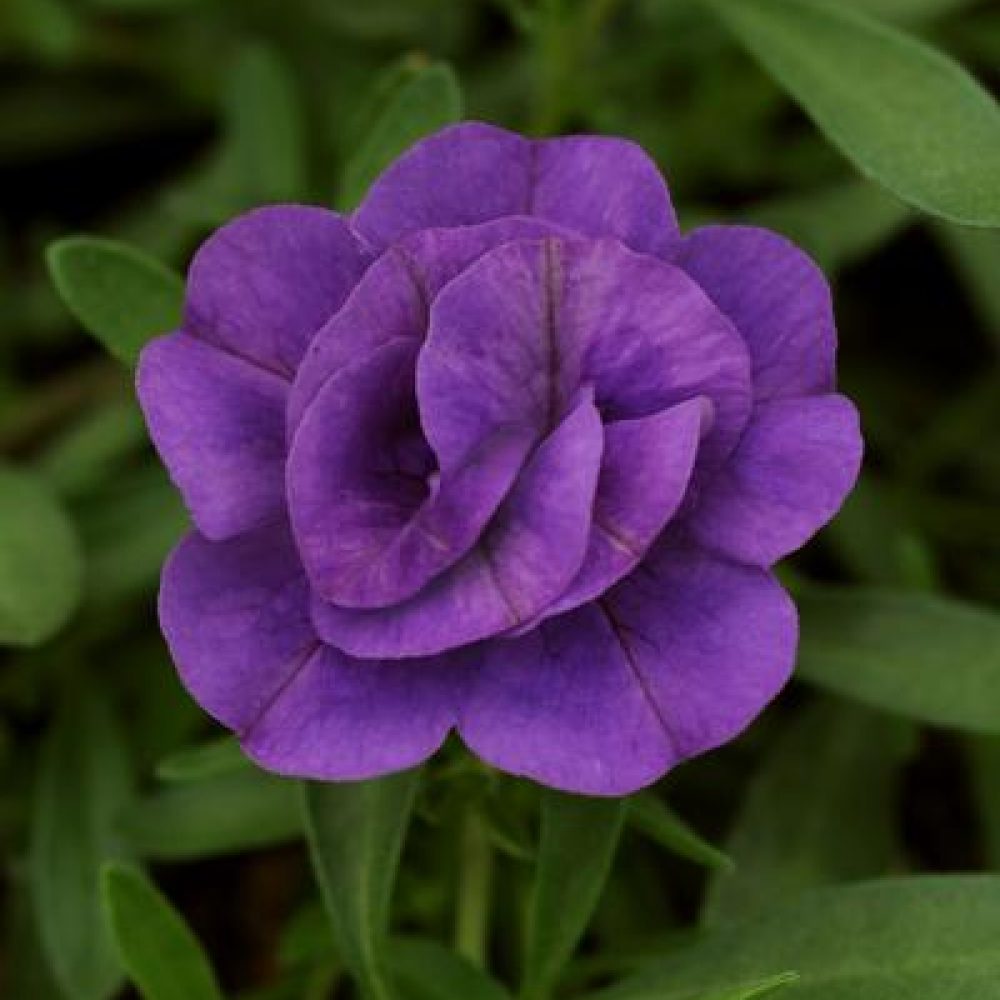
(578, 840)
(929, 937)
(652, 817)
(224, 813)
(905, 114)
(118, 294)
(426, 102)
(933, 659)
(355, 832)
(41, 566)
(751, 991)
(424, 970)
(820, 809)
(159, 952)
(82, 785)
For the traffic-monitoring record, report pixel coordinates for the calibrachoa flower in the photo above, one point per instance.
(501, 452)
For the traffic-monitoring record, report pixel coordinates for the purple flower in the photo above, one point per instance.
(501, 452)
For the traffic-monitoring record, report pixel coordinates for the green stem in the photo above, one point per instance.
(473, 898)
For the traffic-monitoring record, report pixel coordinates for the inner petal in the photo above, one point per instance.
(375, 516)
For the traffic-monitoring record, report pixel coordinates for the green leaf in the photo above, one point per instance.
(976, 255)
(41, 566)
(904, 113)
(751, 991)
(159, 952)
(932, 938)
(577, 846)
(424, 970)
(933, 659)
(222, 755)
(118, 294)
(82, 785)
(426, 102)
(220, 814)
(355, 832)
(820, 809)
(266, 135)
(651, 816)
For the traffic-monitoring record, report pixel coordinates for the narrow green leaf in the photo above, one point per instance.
(82, 786)
(355, 832)
(159, 952)
(820, 809)
(752, 991)
(932, 938)
(651, 816)
(578, 840)
(904, 113)
(222, 755)
(909, 11)
(118, 294)
(265, 146)
(41, 566)
(426, 102)
(933, 659)
(225, 813)
(424, 970)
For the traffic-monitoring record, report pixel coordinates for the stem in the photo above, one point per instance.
(473, 900)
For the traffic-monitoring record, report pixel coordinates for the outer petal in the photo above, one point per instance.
(218, 423)
(235, 615)
(778, 299)
(798, 460)
(527, 557)
(340, 719)
(373, 525)
(261, 286)
(606, 699)
(472, 173)
(515, 336)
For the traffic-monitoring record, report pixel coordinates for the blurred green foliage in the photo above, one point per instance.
(149, 122)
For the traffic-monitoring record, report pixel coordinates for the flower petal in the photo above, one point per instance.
(261, 286)
(340, 719)
(528, 555)
(218, 423)
(604, 700)
(392, 300)
(235, 615)
(796, 463)
(473, 173)
(645, 473)
(515, 336)
(375, 518)
(777, 298)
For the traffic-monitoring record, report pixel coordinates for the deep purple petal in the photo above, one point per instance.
(235, 615)
(340, 719)
(389, 304)
(218, 423)
(375, 518)
(515, 336)
(261, 286)
(645, 472)
(474, 173)
(393, 298)
(777, 298)
(793, 469)
(604, 187)
(604, 700)
(526, 558)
